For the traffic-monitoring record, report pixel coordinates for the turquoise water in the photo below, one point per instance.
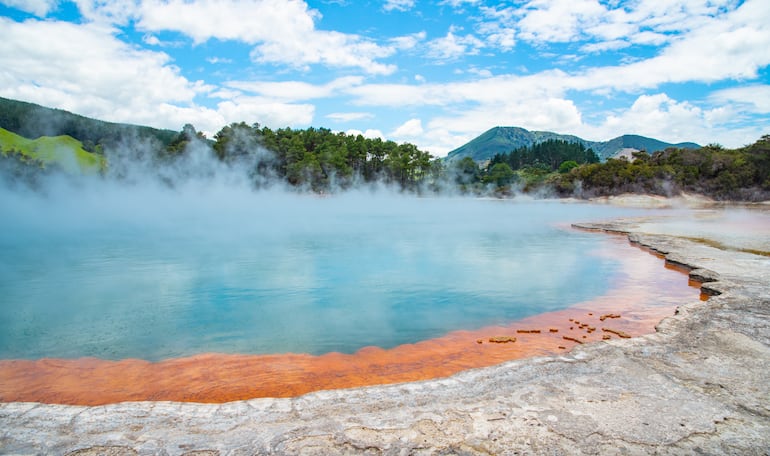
(155, 276)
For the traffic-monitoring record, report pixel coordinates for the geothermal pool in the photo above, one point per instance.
(143, 286)
(287, 273)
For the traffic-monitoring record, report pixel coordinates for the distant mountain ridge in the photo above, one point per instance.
(505, 139)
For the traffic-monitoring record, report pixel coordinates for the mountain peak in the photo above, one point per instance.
(499, 139)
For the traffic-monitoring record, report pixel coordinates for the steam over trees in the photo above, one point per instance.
(320, 159)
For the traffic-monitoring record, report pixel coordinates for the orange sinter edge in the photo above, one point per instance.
(640, 297)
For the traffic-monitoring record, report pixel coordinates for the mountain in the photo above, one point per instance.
(33, 121)
(505, 139)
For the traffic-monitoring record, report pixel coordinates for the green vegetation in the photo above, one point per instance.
(549, 155)
(320, 160)
(559, 168)
(33, 121)
(62, 151)
(724, 174)
(526, 168)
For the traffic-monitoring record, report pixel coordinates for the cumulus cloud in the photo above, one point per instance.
(283, 31)
(452, 46)
(558, 20)
(740, 38)
(406, 42)
(662, 117)
(601, 26)
(266, 112)
(87, 70)
(755, 97)
(412, 128)
(398, 5)
(329, 48)
(39, 8)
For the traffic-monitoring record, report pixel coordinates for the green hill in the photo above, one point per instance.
(505, 139)
(63, 151)
(33, 121)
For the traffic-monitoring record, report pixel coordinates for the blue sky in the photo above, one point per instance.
(434, 73)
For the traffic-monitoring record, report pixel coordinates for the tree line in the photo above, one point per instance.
(525, 168)
(316, 158)
(741, 174)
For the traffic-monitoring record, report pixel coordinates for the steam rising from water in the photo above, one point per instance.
(172, 260)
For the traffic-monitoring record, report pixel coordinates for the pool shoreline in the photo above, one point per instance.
(698, 384)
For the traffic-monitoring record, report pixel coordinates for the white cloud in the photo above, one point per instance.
(661, 117)
(605, 46)
(557, 20)
(328, 48)
(406, 42)
(87, 70)
(502, 38)
(547, 84)
(39, 8)
(398, 5)
(755, 97)
(459, 3)
(247, 21)
(349, 116)
(554, 114)
(152, 40)
(483, 72)
(733, 46)
(412, 128)
(453, 46)
(217, 60)
(283, 31)
(593, 22)
(113, 12)
(266, 112)
(296, 90)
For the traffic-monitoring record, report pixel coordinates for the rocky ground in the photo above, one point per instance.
(700, 385)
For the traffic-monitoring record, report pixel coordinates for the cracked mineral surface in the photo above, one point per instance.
(700, 384)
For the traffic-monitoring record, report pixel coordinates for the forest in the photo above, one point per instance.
(724, 174)
(316, 159)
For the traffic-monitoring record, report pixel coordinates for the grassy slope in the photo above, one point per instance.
(64, 151)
